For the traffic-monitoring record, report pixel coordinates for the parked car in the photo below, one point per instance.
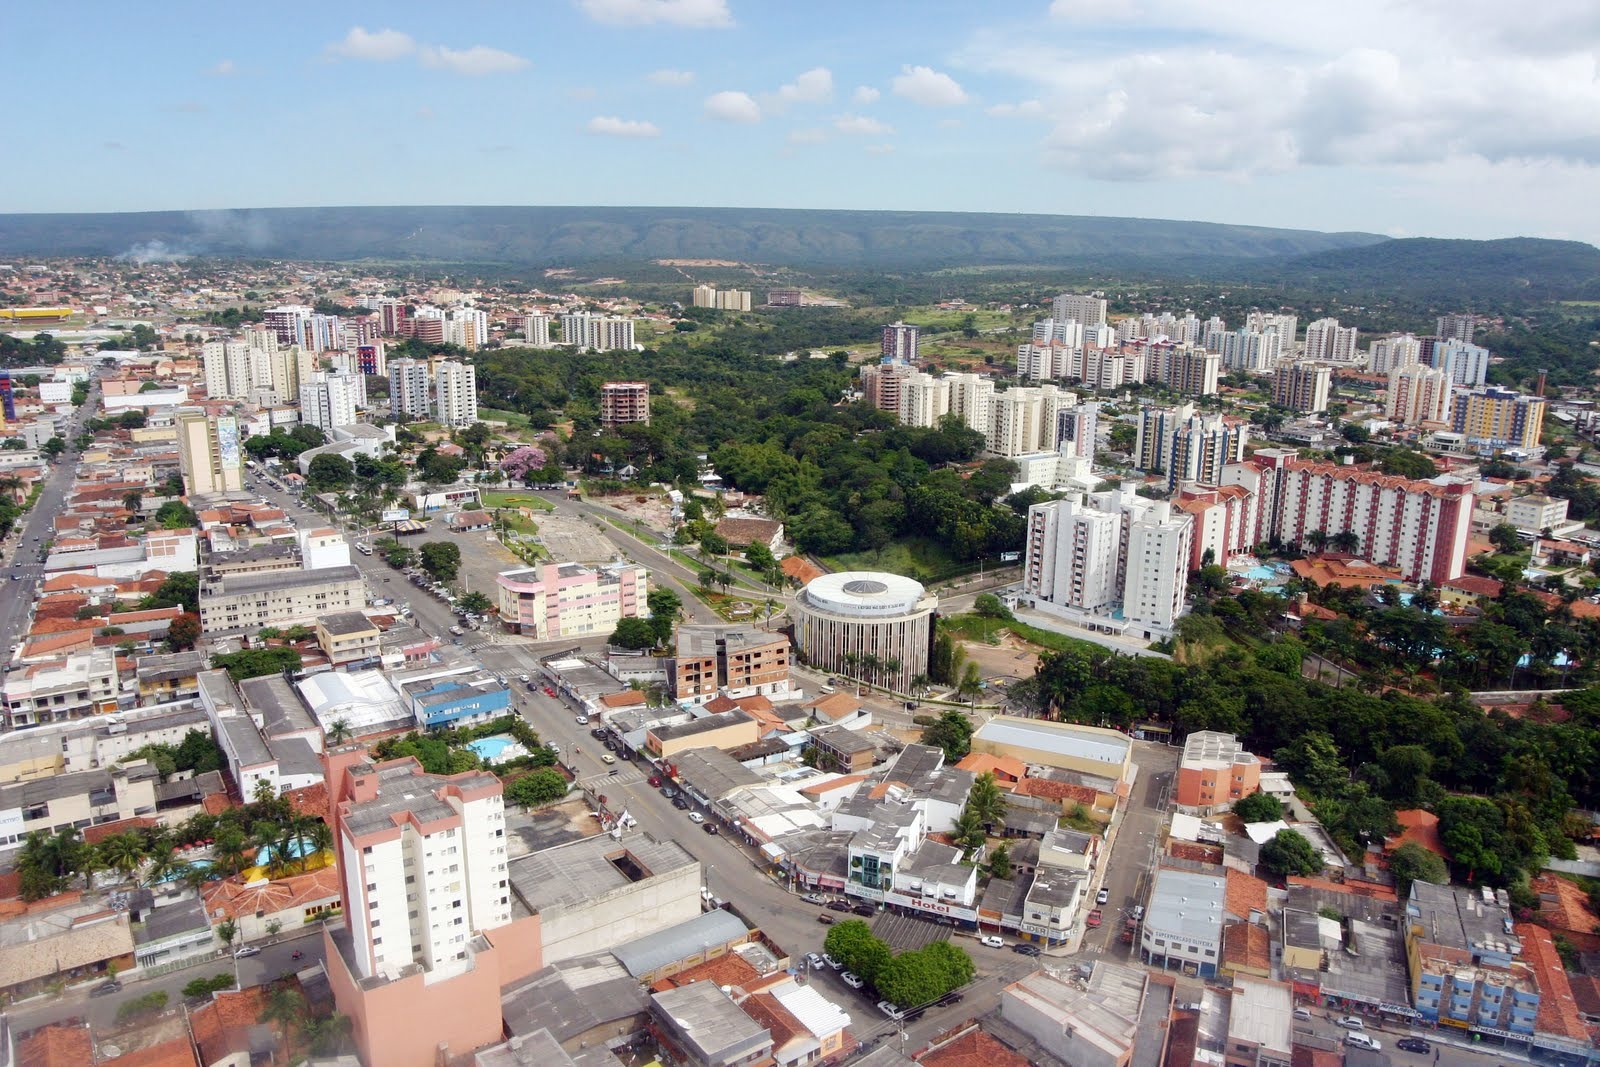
(838, 905)
(105, 989)
(991, 941)
(1358, 1040)
(1413, 1044)
(831, 962)
(710, 828)
(457, 631)
(814, 960)
(696, 817)
(865, 909)
(1351, 1022)
(851, 979)
(655, 781)
(825, 919)
(680, 803)
(1102, 897)
(814, 898)
(1303, 1014)
(248, 950)
(1023, 948)
(949, 998)
(669, 791)
(607, 758)
(1094, 919)
(1137, 914)
(891, 1009)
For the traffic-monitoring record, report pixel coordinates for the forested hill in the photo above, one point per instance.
(1516, 269)
(550, 236)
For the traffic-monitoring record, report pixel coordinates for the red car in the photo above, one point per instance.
(655, 781)
(1093, 920)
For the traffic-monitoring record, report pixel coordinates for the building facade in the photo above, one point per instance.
(456, 389)
(1418, 394)
(210, 455)
(842, 619)
(622, 403)
(1214, 771)
(1494, 419)
(1302, 387)
(899, 342)
(570, 599)
(408, 387)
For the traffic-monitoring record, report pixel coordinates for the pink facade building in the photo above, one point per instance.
(557, 600)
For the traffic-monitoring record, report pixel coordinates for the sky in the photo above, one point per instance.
(1447, 118)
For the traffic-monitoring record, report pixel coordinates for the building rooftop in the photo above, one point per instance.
(575, 874)
(1212, 749)
(235, 585)
(572, 997)
(709, 1020)
(173, 919)
(274, 698)
(405, 791)
(1262, 1013)
(1461, 918)
(1060, 739)
(1104, 1013)
(1187, 905)
(842, 740)
(56, 787)
(702, 725)
(649, 954)
(346, 624)
(714, 774)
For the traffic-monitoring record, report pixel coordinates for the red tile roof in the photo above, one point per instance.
(778, 1020)
(1050, 789)
(1354, 888)
(974, 1049)
(1558, 1009)
(731, 969)
(96, 834)
(1420, 827)
(222, 1027)
(229, 899)
(57, 1046)
(1006, 769)
(1245, 893)
(179, 1052)
(1247, 945)
(1194, 851)
(1564, 906)
(801, 569)
(310, 800)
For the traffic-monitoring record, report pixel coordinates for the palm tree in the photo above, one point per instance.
(164, 865)
(229, 851)
(920, 684)
(890, 668)
(339, 732)
(320, 834)
(124, 852)
(90, 863)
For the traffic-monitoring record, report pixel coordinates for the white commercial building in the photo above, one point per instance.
(456, 387)
(841, 618)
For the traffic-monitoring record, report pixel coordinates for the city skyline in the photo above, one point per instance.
(1358, 116)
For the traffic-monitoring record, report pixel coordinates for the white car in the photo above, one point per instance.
(581, 720)
(991, 941)
(1350, 1022)
(608, 759)
(891, 1009)
(851, 979)
(814, 898)
(248, 950)
(1358, 1040)
(831, 962)
(1103, 896)
(696, 818)
(814, 959)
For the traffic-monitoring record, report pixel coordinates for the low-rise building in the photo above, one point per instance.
(459, 696)
(1093, 1024)
(703, 1027)
(724, 730)
(76, 685)
(557, 600)
(348, 637)
(1464, 960)
(78, 800)
(1214, 771)
(1260, 1024)
(289, 598)
(1183, 923)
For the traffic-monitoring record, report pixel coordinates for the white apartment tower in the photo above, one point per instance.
(1302, 386)
(1466, 364)
(1418, 394)
(1077, 427)
(970, 397)
(227, 369)
(1054, 331)
(456, 390)
(924, 400)
(329, 400)
(1327, 340)
(536, 330)
(603, 333)
(1396, 350)
(899, 342)
(422, 862)
(408, 388)
(1457, 327)
(1072, 555)
(1088, 310)
(1156, 570)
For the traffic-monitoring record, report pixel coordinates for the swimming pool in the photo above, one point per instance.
(178, 872)
(299, 848)
(490, 748)
(1261, 574)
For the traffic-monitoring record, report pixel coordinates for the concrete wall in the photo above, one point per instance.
(626, 913)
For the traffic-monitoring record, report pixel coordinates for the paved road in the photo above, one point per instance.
(37, 526)
(1127, 870)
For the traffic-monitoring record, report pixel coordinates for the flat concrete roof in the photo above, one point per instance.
(1061, 739)
(576, 873)
(654, 951)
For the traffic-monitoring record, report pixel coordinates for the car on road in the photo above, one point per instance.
(680, 803)
(581, 720)
(814, 960)
(1022, 948)
(949, 998)
(1350, 1022)
(457, 631)
(248, 950)
(1303, 1014)
(597, 732)
(991, 941)
(851, 979)
(831, 962)
(696, 817)
(1094, 919)
(105, 989)
(1413, 1044)
(1359, 1040)
(710, 828)
(838, 905)
(549, 692)
(814, 898)
(607, 758)
(655, 781)
(891, 1009)
(866, 910)
(668, 791)
(1102, 897)
(825, 919)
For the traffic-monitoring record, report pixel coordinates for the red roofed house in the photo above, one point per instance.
(1418, 827)
(57, 1045)
(1007, 770)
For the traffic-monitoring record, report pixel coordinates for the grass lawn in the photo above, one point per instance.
(987, 630)
(508, 498)
(514, 419)
(921, 558)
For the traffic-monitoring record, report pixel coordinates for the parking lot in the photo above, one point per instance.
(906, 933)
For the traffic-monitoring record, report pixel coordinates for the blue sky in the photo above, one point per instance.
(1468, 118)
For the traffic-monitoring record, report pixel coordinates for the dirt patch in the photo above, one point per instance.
(654, 512)
(545, 828)
(1011, 658)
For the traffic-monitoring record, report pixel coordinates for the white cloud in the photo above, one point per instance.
(698, 14)
(583, 92)
(379, 47)
(672, 77)
(814, 85)
(612, 126)
(475, 61)
(928, 87)
(222, 69)
(862, 124)
(807, 136)
(732, 106)
(879, 149)
(865, 94)
(1089, 10)
(1026, 109)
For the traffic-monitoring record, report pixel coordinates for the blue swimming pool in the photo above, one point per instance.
(1261, 573)
(178, 872)
(489, 748)
(299, 848)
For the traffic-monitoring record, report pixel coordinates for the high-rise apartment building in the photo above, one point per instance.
(1024, 420)
(1184, 368)
(785, 298)
(924, 399)
(1271, 321)
(429, 329)
(1043, 361)
(707, 296)
(227, 369)
(1088, 310)
(1252, 351)
(391, 317)
(1493, 419)
(899, 342)
(1061, 332)
(210, 455)
(289, 322)
(1465, 364)
(408, 388)
(622, 403)
(1396, 350)
(1187, 446)
(1457, 327)
(1077, 427)
(1418, 527)
(881, 383)
(1418, 394)
(1302, 386)
(603, 333)
(970, 396)
(536, 330)
(1113, 557)
(1327, 340)
(328, 400)
(456, 394)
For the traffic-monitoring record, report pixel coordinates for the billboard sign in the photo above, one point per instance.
(228, 453)
(396, 515)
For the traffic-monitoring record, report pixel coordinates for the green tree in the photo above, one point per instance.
(226, 931)
(329, 473)
(990, 607)
(536, 788)
(852, 944)
(285, 1006)
(176, 515)
(441, 559)
(204, 987)
(987, 800)
(1258, 807)
(183, 632)
(1413, 863)
(1000, 862)
(1290, 853)
(257, 662)
(664, 608)
(633, 633)
(952, 732)
(474, 602)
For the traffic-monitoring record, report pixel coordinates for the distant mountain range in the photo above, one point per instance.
(871, 240)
